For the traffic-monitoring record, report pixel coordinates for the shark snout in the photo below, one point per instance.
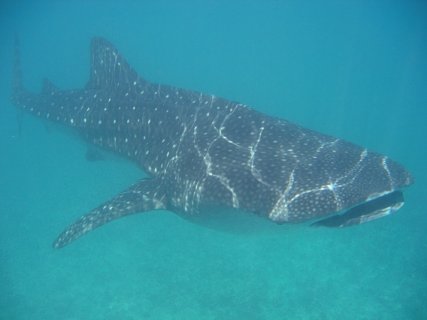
(376, 192)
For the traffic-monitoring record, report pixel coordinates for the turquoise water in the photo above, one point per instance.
(355, 70)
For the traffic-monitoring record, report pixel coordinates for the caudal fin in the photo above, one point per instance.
(17, 85)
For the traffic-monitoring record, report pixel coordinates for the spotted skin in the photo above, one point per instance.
(201, 151)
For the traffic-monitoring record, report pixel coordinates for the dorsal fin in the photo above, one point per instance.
(48, 87)
(108, 67)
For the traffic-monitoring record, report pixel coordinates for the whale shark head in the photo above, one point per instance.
(380, 190)
(342, 185)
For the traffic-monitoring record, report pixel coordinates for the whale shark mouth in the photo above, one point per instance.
(375, 208)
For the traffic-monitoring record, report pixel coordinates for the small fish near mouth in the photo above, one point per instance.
(366, 211)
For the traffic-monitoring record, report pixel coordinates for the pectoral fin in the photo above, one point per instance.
(94, 154)
(143, 196)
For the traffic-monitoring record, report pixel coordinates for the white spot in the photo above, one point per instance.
(330, 186)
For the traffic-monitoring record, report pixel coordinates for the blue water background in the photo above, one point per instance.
(353, 69)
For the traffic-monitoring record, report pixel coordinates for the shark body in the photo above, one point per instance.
(202, 152)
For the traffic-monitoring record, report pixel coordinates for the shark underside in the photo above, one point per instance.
(202, 152)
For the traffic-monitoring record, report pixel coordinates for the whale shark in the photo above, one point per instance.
(202, 153)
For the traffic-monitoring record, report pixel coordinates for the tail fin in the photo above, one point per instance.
(17, 73)
(17, 85)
